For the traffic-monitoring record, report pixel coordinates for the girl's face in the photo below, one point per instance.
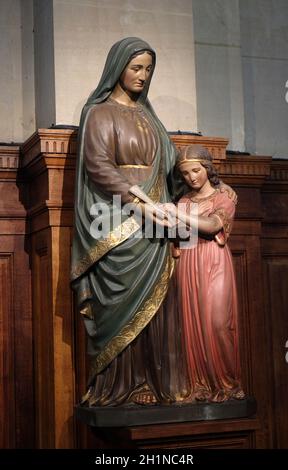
(194, 174)
(136, 73)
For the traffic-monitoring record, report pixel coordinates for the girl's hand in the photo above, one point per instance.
(171, 211)
(169, 207)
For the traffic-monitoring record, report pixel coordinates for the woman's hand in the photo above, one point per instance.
(158, 214)
(169, 207)
(231, 193)
(171, 211)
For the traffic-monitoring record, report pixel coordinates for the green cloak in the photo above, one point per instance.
(121, 279)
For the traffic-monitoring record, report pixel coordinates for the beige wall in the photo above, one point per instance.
(219, 70)
(84, 33)
(264, 39)
(44, 52)
(66, 54)
(222, 65)
(17, 106)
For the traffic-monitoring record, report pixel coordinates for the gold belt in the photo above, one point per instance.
(135, 166)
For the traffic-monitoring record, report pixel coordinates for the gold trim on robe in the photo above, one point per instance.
(140, 320)
(135, 166)
(116, 236)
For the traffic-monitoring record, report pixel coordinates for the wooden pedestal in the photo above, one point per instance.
(230, 434)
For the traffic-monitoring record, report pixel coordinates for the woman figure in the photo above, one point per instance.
(206, 283)
(122, 279)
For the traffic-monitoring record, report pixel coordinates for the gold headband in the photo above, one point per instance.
(188, 160)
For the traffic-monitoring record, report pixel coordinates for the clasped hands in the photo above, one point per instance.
(169, 215)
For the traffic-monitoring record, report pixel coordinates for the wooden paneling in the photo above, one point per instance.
(240, 267)
(43, 340)
(276, 271)
(16, 369)
(7, 390)
(64, 337)
(36, 220)
(223, 434)
(252, 328)
(274, 245)
(50, 172)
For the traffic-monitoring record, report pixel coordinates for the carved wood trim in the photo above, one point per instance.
(49, 141)
(279, 170)
(240, 267)
(246, 166)
(216, 145)
(9, 156)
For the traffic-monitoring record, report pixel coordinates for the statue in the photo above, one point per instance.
(121, 279)
(144, 349)
(206, 282)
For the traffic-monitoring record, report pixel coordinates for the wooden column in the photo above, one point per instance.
(48, 163)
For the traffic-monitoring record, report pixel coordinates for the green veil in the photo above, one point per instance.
(120, 279)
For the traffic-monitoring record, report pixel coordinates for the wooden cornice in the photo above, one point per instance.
(49, 142)
(9, 161)
(9, 156)
(51, 153)
(279, 171)
(245, 169)
(216, 145)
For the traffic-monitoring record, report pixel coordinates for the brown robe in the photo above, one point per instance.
(119, 146)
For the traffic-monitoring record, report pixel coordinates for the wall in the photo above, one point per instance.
(17, 110)
(222, 66)
(218, 70)
(264, 50)
(84, 33)
(45, 103)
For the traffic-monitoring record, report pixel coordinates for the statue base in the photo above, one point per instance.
(139, 415)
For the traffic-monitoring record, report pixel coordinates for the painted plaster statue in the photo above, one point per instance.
(121, 280)
(206, 282)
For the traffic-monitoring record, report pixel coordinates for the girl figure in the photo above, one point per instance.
(206, 282)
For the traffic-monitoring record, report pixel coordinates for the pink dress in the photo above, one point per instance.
(208, 303)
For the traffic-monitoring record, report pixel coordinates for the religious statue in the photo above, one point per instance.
(206, 281)
(148, 344)
(121, 280)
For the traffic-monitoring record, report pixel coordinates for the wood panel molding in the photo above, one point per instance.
(7, 389)
(16, 388)
(9, 156)
(49, 141)
(247, 169)
(235, 434)
(216, 145)
(276, 276)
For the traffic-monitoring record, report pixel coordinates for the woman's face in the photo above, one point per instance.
(194, 174)
(136, 73)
